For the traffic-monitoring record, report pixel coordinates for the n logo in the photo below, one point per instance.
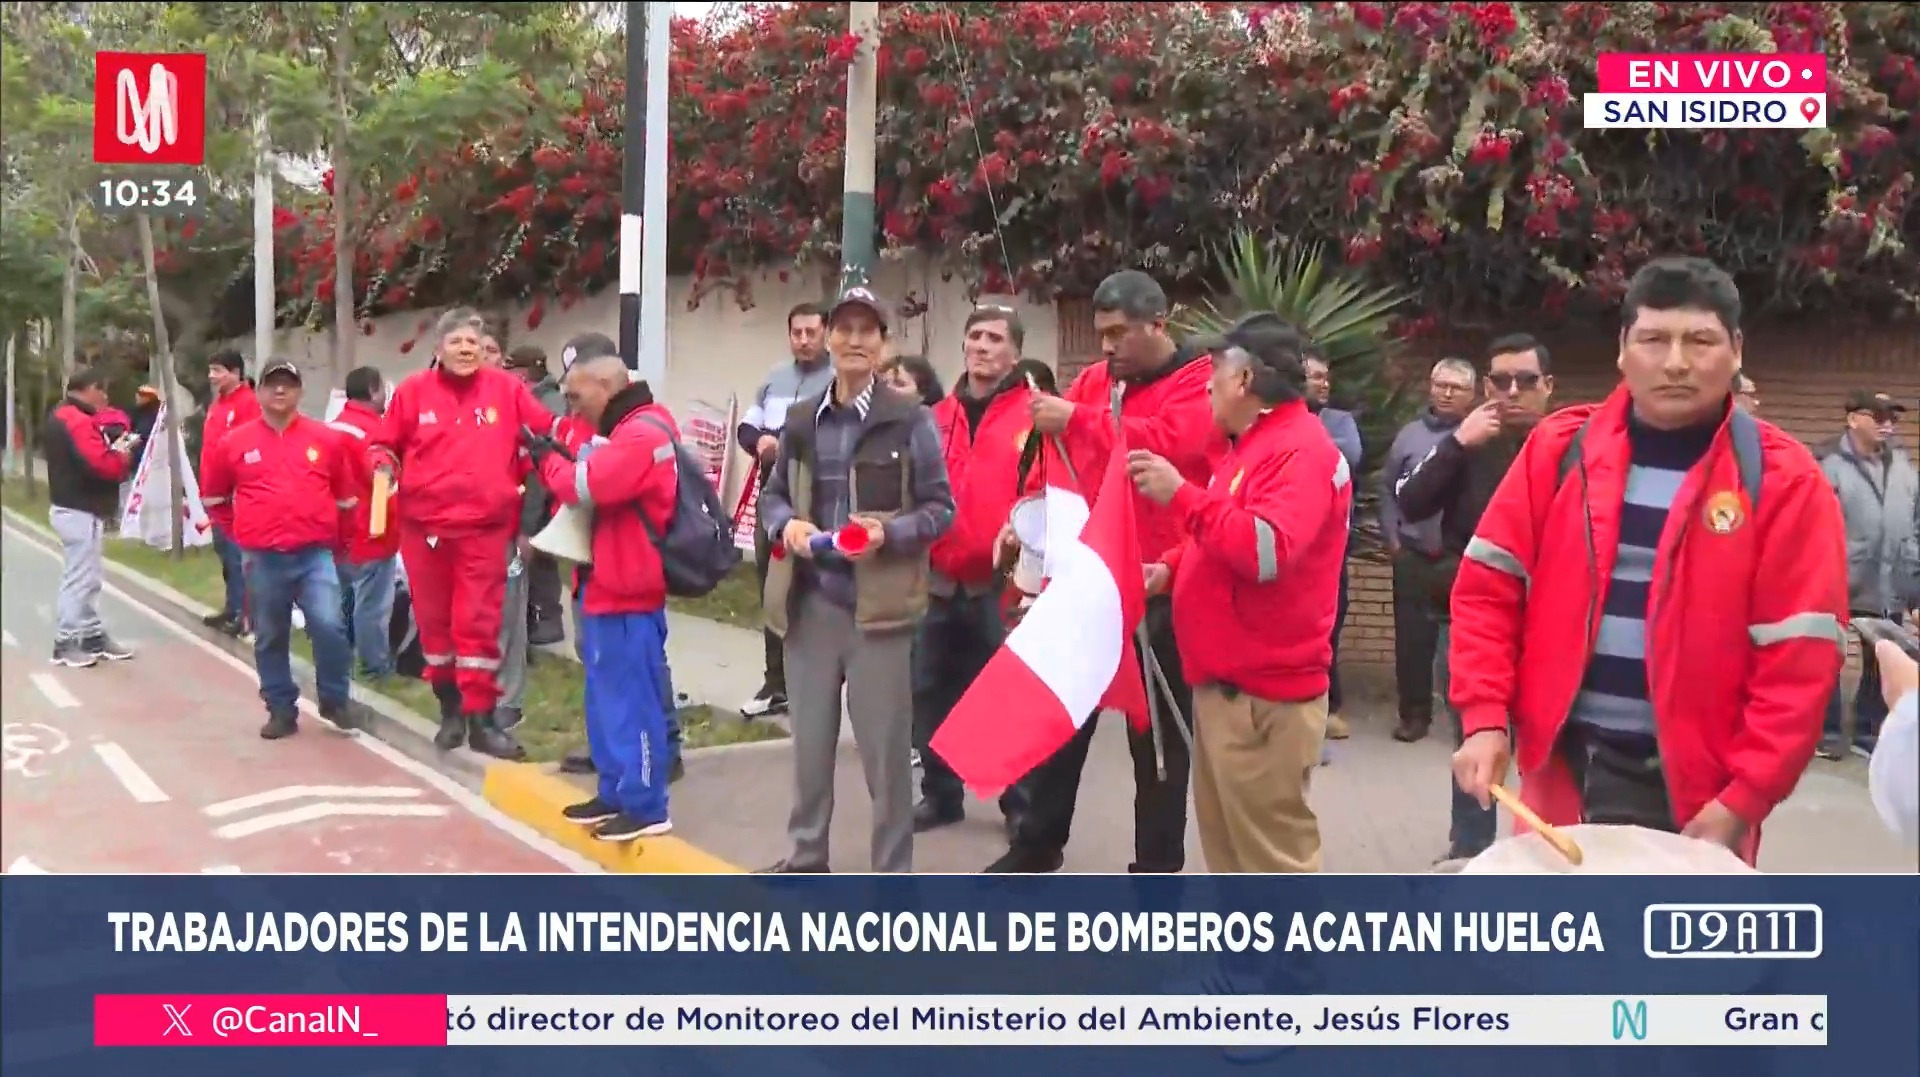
(149, 108)
(1629, 1020)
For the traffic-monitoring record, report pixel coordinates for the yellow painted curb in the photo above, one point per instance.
(526, 792)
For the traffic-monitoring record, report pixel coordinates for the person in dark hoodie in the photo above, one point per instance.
(1455, 482)
(84, 471)
(546, 619)
(1415, 545)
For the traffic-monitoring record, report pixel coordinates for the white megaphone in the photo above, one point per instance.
(1029, 522)
(568, 536)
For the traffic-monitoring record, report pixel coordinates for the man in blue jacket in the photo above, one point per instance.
(1345, 433)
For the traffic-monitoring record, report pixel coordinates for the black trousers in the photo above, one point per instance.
(956, 640)
(1335, 697)
(1416, 632)
(1159, 807)
(1620, 778)
(543, 589)
(776, 680)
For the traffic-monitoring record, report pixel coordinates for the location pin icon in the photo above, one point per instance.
(1810, 108)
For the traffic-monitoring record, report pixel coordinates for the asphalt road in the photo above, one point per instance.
(155, 765)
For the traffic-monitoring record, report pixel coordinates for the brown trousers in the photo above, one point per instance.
(1253, 762)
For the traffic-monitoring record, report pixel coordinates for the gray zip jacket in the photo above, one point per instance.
(1878, 498)
(1410, 446)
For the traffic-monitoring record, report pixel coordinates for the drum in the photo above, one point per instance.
(1029, 522)
(1608, 850)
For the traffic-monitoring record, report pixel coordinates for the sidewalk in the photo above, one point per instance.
(1382, 804)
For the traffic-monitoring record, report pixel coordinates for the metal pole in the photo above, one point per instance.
(632, 178)
(856, 207)
(163, 358)
(263, 306)
(652, 366)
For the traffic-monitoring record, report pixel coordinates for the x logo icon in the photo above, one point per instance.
(177, 1019)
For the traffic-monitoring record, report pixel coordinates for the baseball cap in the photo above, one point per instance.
(281, 366)
(587, 346)
(1868, 400)
(860, 296)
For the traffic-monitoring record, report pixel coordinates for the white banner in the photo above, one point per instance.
(1246, 1021)
(145, 516)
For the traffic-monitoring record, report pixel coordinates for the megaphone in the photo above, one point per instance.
(568, 536)
(1029, 522)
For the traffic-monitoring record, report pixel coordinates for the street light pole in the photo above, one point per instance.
(632, 179)
(857, 205)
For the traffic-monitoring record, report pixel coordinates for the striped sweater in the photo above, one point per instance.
(1614, 695)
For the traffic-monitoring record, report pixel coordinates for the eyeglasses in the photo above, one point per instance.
(1449, 388)
(1528, 381)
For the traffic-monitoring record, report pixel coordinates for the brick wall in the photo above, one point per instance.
(1803, 375)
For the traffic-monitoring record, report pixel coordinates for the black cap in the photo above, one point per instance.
(587, 346)
(281, 366)
(1868, 400)
(860, 296)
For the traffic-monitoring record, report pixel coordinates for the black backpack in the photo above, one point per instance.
(697, 552)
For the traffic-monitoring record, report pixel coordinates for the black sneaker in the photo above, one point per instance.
(216, 620)
(788, 867)
(546, 633)
(506, 719)
(588, 812)
(104, 646)
(577, 763)
(338, 716)
(1018, 861)
(482, 737)
(453, 725)
(624, 827)
(280, 723)
(71, 654)
(766, 704)
(932, 815)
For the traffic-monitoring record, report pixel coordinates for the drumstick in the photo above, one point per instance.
(382, 490)
(1555, 837)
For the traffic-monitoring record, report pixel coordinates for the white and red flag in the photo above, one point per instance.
(1072, 655)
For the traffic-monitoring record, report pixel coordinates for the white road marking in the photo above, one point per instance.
(23, 866)
(55, 692)
(326, 809)
(299, 792)
(138, 781)
(466, 798)
(6, 637)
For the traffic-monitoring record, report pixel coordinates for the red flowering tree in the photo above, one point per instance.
(1038, 146)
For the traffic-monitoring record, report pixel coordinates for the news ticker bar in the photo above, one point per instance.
(960, 1020)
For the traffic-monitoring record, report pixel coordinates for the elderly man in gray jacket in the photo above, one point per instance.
(1878, 490)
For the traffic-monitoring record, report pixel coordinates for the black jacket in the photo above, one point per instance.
(82, 472)
(1456, 484)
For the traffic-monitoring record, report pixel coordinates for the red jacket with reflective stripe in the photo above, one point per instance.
(224, 413)
(1169, 415)
(1256, 586)
(983, 466)
(290, 489)
(457, 448)
(632, 473)
(1743, 620)
(358, 424)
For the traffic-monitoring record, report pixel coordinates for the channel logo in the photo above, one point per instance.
(149, 108)
(1630, 1019)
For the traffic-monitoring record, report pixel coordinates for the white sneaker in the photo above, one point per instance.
(764, 704)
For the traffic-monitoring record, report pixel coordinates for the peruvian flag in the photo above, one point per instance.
(1072, 655)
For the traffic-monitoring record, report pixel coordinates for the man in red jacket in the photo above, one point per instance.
(452, 440)
(1255, 591)
(366, 561)
(1650, 610)
(984, 428)
(623, 623)
(84, 472)
(1159, 392)
(233, 404)
(291, 483)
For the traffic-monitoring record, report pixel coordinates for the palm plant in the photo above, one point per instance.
(1350, 320)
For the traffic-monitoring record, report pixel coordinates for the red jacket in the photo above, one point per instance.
(1169, 415)
(983, 466)
(83, 473)
(1255, 587)
(290, 489)
(225, 412)
(1743, 621)
(634, 472)
(357, 425)
(113, 422)
(456, 448)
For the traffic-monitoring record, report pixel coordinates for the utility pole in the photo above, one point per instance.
(633, 199)
(653, 236)
(263, 307)
(863, 93)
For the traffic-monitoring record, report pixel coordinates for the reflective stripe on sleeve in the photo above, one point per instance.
(209, 502)
(1266, 551)
(347, 503)
(1800, 626)
(436, 659)
(1492, 556)
(580, 485)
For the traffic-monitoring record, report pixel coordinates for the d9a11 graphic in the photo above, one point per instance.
(1733, 931)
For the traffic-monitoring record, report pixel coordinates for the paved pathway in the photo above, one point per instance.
(155, 766)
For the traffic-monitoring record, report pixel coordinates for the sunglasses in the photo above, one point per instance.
(1503, 382)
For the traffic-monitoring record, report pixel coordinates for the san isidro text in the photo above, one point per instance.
(1467, 931)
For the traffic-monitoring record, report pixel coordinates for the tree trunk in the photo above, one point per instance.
(163, 356)
(344, 300)
(69, 285)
